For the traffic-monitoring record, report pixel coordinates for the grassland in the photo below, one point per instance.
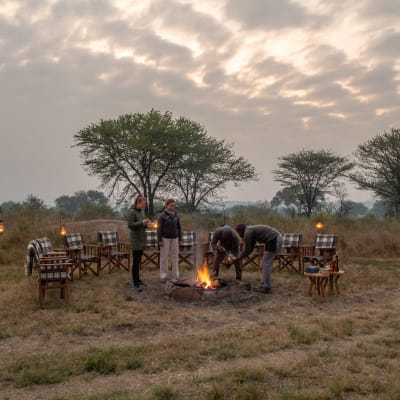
(110, 343)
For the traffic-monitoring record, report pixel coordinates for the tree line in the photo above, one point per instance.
(158, 155)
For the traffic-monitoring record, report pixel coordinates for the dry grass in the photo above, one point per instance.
(112, 344)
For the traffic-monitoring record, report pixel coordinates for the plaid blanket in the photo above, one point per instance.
(32, 256)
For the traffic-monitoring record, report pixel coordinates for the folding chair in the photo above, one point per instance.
(290, 253)
(117, 254)
(322, 252)
(86, 256)
(41, 248)
(187, 251)
(255, 257)
(207, 250)
(151, 254)
(52, 273)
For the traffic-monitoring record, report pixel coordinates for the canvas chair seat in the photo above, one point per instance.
(116, 253)
(290, 257)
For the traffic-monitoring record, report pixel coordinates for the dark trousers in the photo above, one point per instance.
(219, 257)
(137, 258)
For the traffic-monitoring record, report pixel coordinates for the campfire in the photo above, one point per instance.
(203, 287)
(203, 278)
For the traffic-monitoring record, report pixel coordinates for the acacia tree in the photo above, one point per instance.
(156, 155)
(311, 175)
(206, 168)
(378, 162)
(132, 154)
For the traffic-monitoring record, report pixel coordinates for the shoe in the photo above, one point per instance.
(140, 283)
(137, 288)
(263, 289)
(163, 280)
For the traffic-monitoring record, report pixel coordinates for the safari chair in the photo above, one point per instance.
(41, 248)
(322, 252)
(116, 253)
(86, 256)
(52, 273)
(290, 253)
(151, 254)
(207, 250)
(255, 257)
(187, 251)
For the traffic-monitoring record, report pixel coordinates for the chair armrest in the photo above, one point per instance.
(92, 249)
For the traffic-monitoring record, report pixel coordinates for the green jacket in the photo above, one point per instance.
(137, 228)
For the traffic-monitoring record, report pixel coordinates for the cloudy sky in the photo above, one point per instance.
(270, 76)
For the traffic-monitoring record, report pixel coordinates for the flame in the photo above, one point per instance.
(319, 225)
(63, 230)
(204, 278)
(155, 225)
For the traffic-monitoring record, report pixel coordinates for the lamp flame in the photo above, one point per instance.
(319, 225)
(63, 230)
(1, 227)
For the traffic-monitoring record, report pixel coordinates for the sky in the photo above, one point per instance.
(270, 77)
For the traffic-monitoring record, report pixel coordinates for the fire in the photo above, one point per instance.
(204, 278)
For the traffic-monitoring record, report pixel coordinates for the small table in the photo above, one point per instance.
(319, 281)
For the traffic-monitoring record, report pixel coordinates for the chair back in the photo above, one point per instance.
(188, 238)
(45, 245)
(325, 241)
(151, 238)
(73, 241)
(107, 238)
(291, 239)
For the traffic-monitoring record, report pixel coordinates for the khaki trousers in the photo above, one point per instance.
(169, 249)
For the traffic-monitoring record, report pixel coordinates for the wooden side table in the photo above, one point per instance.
(319, 281)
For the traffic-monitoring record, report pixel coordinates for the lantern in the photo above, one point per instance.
(319, 225)
(1, 227)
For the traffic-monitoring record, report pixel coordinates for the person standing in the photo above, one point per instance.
(169, 235)
(226, 242)
(271, 238)
(137, 223)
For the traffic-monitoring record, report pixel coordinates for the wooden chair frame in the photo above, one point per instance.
(322, 252)
(52, 273)
(187, 251)
(290, 253)
(117, 254)
(151, 254)
(86, 256)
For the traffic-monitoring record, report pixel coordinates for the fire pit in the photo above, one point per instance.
(204, 288)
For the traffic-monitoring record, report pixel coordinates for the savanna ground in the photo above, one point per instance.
(110, 343)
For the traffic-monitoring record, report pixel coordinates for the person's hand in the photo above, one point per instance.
(146, 222)
(181, 243)
(220, 249)
(160, 244)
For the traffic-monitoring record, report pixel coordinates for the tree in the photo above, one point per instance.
(154, 154)
(132, 154)
(378, 162)
(311, 175)
(206, 168)
(288, 198)
(81, 199)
